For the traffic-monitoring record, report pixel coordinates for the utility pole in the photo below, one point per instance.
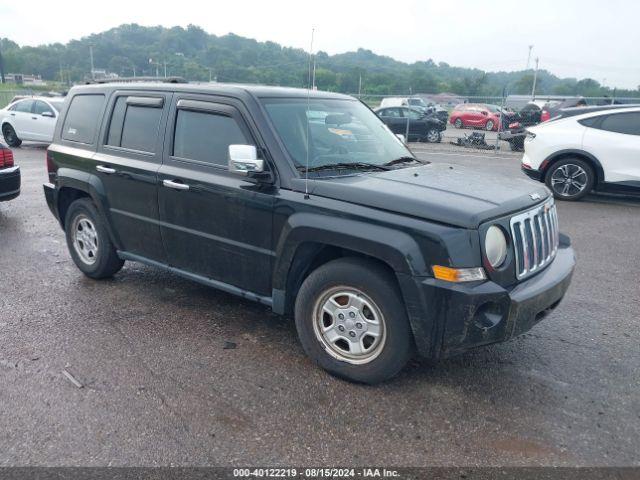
(165, 69)
(1, 67)
(313, 82)
(529, 57)
(360, 86)
(93, 77)
(535, 78)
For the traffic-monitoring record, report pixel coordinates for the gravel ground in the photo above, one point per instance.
(160, 388)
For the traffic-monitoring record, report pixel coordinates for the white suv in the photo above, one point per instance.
(592, 151)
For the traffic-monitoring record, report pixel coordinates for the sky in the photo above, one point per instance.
(571, 38)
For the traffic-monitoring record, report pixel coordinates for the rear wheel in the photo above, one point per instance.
(351, 321)
(570, 179)
(88, 241)
(10, 136)
(458, 123)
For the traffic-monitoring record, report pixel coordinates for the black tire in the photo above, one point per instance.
(106, 261)
(433, 136)
(10, 136)
(379, 287)
(572, 167)
(458, 123)
(489, 125)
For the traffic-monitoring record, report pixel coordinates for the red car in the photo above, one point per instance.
(9, 175)
(478, 115)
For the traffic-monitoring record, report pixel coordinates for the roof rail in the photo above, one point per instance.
(137, 79)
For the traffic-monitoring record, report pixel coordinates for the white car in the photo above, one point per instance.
(593, 151)
(32, 118)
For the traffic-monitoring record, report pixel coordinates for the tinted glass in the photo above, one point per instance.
(407, 112)
(24, 106)
(83, 117)
(42, 107)
(392, 112)
(134, 127)
(206, 136)
(628, 123)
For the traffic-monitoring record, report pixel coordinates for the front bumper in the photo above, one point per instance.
(9, 183)
(458, 317)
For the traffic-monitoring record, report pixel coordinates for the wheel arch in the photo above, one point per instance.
(574, 153)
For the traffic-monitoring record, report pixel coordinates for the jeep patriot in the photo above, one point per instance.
(307, 203)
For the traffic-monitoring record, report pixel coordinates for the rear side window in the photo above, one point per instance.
(134, 125)
(206, 137)
(23, 106)
(628, 123)
(83, 117)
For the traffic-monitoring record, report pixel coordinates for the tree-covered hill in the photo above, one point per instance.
(196, 55)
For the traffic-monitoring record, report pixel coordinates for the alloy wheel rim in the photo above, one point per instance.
(349, 325)
(569, 180)
(85, 239)
(489, 125)
(432, 136)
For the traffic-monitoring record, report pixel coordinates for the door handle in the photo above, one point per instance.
(107, 170)
(34, 118)
(175, 185)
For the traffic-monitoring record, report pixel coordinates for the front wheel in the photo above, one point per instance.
(570, 179)
(489, 125)
(88, 241)
(10, 136)
(433, 136)
(352, 322)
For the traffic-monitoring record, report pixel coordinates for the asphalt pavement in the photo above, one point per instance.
(175, 373)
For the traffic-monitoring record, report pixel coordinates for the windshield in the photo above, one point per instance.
(341, 132)
(416, 102)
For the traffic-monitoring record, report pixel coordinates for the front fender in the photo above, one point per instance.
(395, 248)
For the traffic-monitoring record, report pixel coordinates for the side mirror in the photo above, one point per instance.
(401, 137)
(484, 112)
(243, 159)
(47, 114)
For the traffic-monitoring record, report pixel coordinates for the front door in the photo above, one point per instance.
(215, 224)
(127, 162)
(43, 121)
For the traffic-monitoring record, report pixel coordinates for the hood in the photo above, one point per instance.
(444, 193)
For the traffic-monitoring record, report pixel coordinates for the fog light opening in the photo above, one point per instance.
(488, 315)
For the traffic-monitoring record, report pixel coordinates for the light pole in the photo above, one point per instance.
(93, 77)
(535, 78)
(529, 57)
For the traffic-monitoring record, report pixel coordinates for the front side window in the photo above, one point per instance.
(392, 112)
(412, 114)
(350, 133)
(206, 136)
(83, 118)
(41, 107)
(134, 127)
(627, 123)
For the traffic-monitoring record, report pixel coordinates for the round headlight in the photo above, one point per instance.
(495, 246)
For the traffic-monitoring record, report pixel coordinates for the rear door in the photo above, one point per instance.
(615, 141)
(127, 162)
(215, 224)
(20, 117)
(417, 127)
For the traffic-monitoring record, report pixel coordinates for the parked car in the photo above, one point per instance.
(538, 111)
(374, 252)
(9, 175)
(517, 132)
(31, 118)
(481, 115)
(421, 126)
(574, 155)
(417, 103)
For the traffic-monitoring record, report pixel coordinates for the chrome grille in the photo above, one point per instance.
(535, 238)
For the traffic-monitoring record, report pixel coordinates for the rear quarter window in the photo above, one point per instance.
(83, 117)
(627, 123)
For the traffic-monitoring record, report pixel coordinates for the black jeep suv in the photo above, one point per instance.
(307, 203)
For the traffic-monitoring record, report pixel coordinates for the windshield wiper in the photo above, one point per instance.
(406, 159)
(344, 166)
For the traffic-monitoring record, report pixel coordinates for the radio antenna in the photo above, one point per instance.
(306, 170)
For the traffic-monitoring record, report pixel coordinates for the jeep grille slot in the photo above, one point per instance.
(535, 238)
